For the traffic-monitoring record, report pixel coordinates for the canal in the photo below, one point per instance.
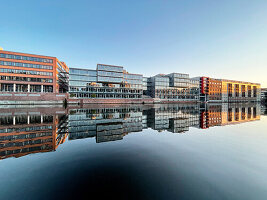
(165, 151)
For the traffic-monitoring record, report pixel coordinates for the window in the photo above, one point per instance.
(18, 57)
(28, 65)
(18, 71)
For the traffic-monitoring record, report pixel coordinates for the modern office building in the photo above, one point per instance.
(173, 87)
(240, 91)
(22, 74)
(29, 73)
(222, 90)
(210, 89)
(107, 81)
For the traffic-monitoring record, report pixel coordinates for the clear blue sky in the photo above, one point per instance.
(221, 39)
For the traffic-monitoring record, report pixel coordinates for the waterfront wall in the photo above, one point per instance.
(110, 101)
(126, 101)
(10, 98)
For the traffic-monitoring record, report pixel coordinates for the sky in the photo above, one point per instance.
(221, 39)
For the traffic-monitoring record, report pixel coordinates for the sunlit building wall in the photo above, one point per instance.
(222, 90)
(239, 91)
(22, 72)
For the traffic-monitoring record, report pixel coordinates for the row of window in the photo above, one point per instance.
(18, 57)
(180, 84)
(161, 79)
(180, 80)
(82, 85)
(83, 72)
(28, 65)
(26, 129)
(177, 91)
(18, 71)
(243, 95)
(177, 75)
(83, 78)
(109, 68)
(177, 97)
(28, 79)
(134, 81)
(112, 74)
(109, 79)
(77, 83)
(5, 87)
(25, 143)
(133, 76)
(166, 84)
(107, 96)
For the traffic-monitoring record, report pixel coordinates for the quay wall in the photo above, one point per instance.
(12, 98)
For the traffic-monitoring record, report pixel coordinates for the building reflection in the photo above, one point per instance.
(26, 131)
(175, 118)
(226, 114)
(113, 123)
(105, 124)
(264, 110)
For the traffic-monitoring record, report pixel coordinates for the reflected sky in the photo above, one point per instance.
(134, 152)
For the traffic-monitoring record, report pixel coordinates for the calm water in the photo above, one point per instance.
(134, 152)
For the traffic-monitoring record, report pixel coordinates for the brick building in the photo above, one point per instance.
(23, 72)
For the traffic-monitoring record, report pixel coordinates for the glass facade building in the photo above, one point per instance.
(107, 81)
(174, 86)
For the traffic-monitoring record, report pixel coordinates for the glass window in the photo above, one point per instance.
(18, 57)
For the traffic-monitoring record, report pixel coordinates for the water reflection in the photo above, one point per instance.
(26, 131)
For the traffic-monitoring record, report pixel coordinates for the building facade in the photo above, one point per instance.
(21, 72)
(223, 90)
(107, 81)
(173, 87)
(29, 73)
(240, 91)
